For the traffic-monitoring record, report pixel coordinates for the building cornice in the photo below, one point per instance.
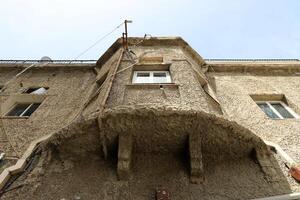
(153, 41)
(275, 67)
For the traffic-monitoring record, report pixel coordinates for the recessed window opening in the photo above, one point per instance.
(23, 110)
(151, 77)
(36, 90)
(276, 109)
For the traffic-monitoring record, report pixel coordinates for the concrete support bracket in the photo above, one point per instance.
(195, 153)
(124, 156)
(270, 168)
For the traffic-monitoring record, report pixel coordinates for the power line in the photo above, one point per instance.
(44, 64)
(95, 43)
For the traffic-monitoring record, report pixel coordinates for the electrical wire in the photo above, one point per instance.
(95, 43)
(44, 64)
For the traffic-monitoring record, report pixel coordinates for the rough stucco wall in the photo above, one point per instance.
(160, 136)
(73, 168)
(71, 177)
(233, 93)
(76, 168)
(67, 92)
(7, 74)
(166, 129)
(185, 92)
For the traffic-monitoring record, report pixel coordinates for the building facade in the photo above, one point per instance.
(155, 121)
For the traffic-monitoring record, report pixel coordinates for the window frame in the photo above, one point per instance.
(35, 89)
(151, 77)
(269, 103)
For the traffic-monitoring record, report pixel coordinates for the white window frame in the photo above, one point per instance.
(151, 77)
(21, 115)
(37, 90)
(295, 115)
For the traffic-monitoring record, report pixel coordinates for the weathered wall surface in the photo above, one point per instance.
(71, 178)
(6, 74)
(160, 121)
(234, 90)
(68, 90)
(186, 92)
(166, 129)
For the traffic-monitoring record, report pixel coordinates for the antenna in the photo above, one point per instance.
(125, 35)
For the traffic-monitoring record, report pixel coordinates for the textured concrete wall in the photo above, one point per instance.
(67, 91)
(7, 74)
(186, 92)
(146, 134)
(158, 132)
(234, 90)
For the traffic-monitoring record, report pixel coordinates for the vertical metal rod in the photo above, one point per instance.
(123, 40)
(126, 35)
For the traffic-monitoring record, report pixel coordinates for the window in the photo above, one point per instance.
(276, 109)
(151, 77)
(23, 110)
(36, 90)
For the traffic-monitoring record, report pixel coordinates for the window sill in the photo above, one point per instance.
(14, 117)
(24, 94)
(286, 119)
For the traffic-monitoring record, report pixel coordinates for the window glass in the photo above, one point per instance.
(143, 74)
(143, 77)
(37, 90)
(23, 110)
(282, 110)
(151, 77)
(159, 74)
(269, 112)
(160, 77)
(18, 110)
(31, 109)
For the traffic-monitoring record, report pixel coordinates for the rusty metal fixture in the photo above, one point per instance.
(162, 194)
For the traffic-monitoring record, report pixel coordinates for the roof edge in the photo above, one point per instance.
(167, 41)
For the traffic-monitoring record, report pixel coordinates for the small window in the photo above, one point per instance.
(151, 77)
(23, 110)
(36, 90)
(276, 109)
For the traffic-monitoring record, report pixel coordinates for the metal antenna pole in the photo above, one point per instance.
(126, 34)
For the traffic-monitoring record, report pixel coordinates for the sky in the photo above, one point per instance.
(62, 29)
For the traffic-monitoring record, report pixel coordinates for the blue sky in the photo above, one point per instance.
(62, 29)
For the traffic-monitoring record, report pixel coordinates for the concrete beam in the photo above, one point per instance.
(195, 153)
(124, 156)
(271, 169)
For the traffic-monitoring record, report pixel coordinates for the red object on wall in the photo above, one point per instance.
(162, 194)
(295, 172)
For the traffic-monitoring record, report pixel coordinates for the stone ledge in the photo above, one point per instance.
(21, 163)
